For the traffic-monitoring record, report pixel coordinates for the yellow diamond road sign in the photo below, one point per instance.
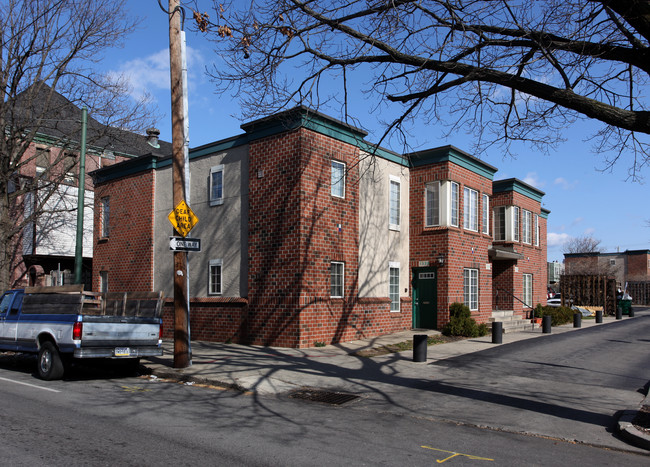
(183, 218)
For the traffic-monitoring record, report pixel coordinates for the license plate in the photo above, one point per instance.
(122, 352)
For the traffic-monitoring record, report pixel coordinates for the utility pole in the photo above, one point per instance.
(181, 334)
(81, 193)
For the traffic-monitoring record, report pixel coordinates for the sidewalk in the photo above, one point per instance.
(276, 371)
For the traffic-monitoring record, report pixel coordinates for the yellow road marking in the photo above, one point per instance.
(454, 454)
(134, 389)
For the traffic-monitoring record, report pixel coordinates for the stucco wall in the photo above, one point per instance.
(223, 229)
(378, 244)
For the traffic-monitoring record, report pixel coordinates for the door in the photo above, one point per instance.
(425, 298)
(9, 308)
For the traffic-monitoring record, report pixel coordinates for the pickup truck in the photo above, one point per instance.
(64, 323)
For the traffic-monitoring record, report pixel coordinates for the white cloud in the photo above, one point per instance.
(532, 179)
(589, 231)
(557, 239)
(565, 184)
(149, 74)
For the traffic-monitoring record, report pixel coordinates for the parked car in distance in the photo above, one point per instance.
(555, 301)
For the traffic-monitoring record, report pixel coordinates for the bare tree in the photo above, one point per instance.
(584, 244)
(47, 51)
(501, 70)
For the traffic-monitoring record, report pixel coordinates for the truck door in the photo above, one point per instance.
(10, 304)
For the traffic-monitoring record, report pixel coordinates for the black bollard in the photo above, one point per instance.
(420, 347)
(546, 324)
(599, 316)
(619, 312)
(577, 320)
(497, 332)
(631, 313)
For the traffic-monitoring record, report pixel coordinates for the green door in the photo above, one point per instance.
(425, 298)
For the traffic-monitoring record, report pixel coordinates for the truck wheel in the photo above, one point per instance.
(50, 365)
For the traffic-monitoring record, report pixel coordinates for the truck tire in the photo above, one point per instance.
(50, 365)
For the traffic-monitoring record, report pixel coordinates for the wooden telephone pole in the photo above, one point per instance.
(181, 328)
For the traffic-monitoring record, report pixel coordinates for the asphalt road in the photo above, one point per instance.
(470, 414)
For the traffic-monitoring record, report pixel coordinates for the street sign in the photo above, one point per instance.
(183, 218)
(184, 244)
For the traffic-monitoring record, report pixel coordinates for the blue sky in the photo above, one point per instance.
(582, 200)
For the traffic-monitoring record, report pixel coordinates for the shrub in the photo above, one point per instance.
(461, 323)
(559, 315)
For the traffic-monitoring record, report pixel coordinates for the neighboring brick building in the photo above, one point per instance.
(44, 253)
(309, 236)
(626, 266)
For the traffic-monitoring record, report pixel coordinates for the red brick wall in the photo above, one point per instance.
(461, 248)
(637, 266)
(294, 235)
(127, 254)
(508, 275)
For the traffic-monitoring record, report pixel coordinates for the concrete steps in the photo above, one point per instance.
(511, 322)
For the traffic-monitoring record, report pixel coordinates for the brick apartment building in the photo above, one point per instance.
(626, 266)
(44, 250)
(311, 235)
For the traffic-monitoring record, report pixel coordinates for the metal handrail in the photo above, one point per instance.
(532, 308)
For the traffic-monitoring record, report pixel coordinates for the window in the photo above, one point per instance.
(526, 226)
(470, 209)
(515, 223)
(536, 227)
(214, 277)
(338, 179)
(42, 161)
(337, 270)
(216, 185)
(499, 229)
(104, 215)
(454, 204)
(486, 214)
(441, 204)
(103, 281)
(69, 163)
(394, 204)
(528, 290)
(393, 286)
(612, 262)
(470, 288)
(432, 204)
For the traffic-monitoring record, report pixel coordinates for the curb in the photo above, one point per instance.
(629, 432)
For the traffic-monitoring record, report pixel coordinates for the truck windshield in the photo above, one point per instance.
(4, 303)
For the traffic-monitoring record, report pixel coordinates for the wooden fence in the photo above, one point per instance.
(589, 290)
(640, 292)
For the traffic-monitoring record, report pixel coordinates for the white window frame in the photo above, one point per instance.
(470, 288)
(337, 279)
(528, 289)
(441, 204)
(215, 199)
(470, 209)
(500, 227)
(338, 179)
(394, 288)
(526, 226)
(432, 204)
(536, 230)
(394, 202)
(486, 214)
(103, 281)
(215, 288)
(515, 223)
(454, 202)
(104, 217)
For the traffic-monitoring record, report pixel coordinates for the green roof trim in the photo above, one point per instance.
(516, 185)
(452, 154)
(544, 213)
(130, 167)
(303, 117)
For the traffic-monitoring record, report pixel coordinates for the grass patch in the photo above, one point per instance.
(403, 346)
